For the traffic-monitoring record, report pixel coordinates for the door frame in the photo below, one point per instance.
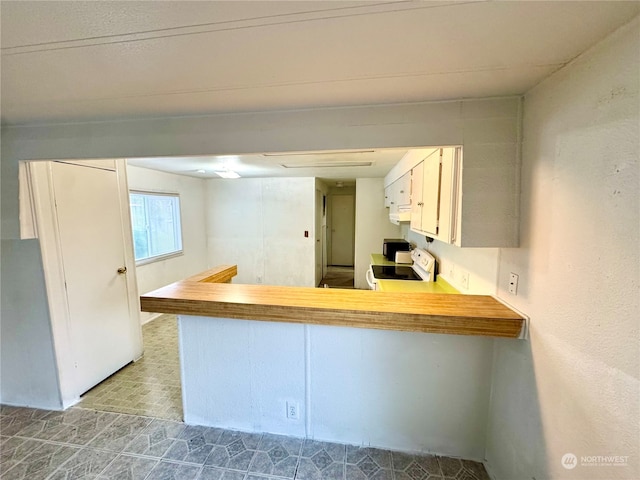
(318, 236)
(40, 185)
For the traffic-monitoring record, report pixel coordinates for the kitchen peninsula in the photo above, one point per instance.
(394, 370)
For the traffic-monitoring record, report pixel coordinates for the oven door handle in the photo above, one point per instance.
(371, 279)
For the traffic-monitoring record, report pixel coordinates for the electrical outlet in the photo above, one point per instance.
(464, 280)
(293, 411)
(513, 283)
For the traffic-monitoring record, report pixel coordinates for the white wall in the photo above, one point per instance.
(259, 224)
(399, 390)
(372, 226)
(194, 233)
(28, 373)
(393, 126)
(480, 265)
(574, 386)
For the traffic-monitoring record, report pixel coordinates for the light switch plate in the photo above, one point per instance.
(513, 284)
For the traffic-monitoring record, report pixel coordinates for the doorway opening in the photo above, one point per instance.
(338, 277)
(340, 233)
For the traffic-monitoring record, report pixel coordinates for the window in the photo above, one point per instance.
(155, 219)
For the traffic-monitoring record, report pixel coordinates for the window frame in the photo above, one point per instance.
(164, 256)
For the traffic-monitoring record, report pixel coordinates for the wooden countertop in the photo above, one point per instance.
(413, 312)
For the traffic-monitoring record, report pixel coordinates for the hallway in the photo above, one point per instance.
(338, 277)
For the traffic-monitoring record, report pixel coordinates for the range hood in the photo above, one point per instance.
(403, 214)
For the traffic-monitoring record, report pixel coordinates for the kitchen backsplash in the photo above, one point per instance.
(470, 270)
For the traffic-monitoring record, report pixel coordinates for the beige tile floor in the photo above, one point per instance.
(150, 386)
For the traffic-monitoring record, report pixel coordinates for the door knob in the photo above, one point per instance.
(122, 270)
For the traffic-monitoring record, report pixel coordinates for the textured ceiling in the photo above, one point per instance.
(76, 61)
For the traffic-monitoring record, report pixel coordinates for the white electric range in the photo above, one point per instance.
(422, 270)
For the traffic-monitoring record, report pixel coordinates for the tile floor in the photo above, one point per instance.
(150, 386)
(87, 444)
(128, 428)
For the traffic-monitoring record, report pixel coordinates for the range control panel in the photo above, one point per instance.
(423, 260)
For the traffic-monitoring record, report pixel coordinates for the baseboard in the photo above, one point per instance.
(489, 470)
(152, 318)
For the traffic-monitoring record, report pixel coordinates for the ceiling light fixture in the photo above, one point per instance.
(201, 171)
(227, 174)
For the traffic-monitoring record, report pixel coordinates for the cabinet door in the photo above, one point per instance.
(416, 196)
(448, 196)
(393, 197)
(431, 194)
(403, 193)
(387, 196)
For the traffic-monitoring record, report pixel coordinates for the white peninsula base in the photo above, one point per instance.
(406, 391)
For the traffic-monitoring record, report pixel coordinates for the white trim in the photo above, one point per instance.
(157, 258)
(28, 218)
(54, 279)
(154, 192)
(130, 261)
(44, 207)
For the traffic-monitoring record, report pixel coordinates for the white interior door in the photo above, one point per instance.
(91, 238)
(342, 229)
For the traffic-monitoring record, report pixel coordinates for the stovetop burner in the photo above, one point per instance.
(390, 272)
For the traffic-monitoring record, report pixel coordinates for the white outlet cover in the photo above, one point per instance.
(464, 280)
(293, 411)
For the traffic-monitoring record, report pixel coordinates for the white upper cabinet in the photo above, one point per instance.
(425, 210)
(398, 194)
(433, 181)
(468, 205)
(397, 197)
(401, 190)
